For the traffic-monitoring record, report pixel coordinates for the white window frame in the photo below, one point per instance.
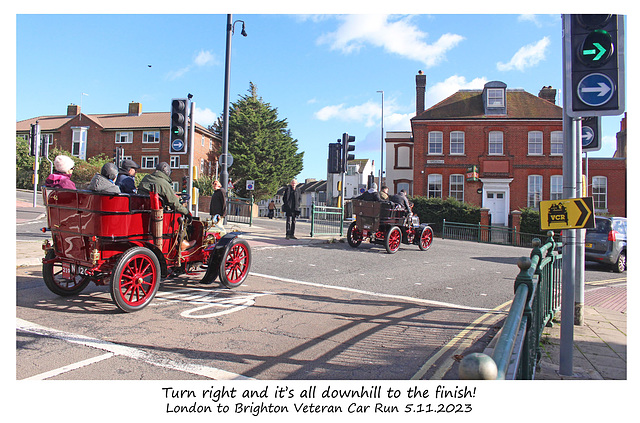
(456, 139)
(599, 192)
(434, 179)
(124, 137)
(557, 143)
(434, 145)
(534, 142)
(555, 187)
(495, 144)
(456, 186)
(154, 135)
(144, 162)
(495, 97)
(534, 191)
(174, 162)
(79, 139)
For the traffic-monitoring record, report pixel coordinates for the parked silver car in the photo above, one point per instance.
(607, 242)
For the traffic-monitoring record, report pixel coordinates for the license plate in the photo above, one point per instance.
(588, 245)
(66, 270)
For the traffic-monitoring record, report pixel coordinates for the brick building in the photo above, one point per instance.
(497, 148)
(143, 136)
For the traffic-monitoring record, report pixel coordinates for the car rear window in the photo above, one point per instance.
(603, 226)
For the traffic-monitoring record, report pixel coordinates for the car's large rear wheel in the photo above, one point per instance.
(135, 279)
(393, 239)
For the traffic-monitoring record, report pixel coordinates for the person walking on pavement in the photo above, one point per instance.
(125, 179)
(291, 207)
(218, 204)
(61, 176)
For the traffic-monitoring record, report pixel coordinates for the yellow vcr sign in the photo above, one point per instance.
(574, 213)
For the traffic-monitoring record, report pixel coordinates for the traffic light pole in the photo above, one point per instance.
(192, 170)
(36, 143)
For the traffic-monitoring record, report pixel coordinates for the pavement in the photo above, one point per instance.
(599, 345)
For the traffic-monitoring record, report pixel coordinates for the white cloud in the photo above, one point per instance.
(441, 90)
(204, 58)
(398, 36)
(205, 117)
(368, 112)
(527, 56)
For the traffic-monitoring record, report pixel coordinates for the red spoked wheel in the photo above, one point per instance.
(393, 239)
(52, 273)
(426, 238)
(135, 279)
(354, 235)
(235, 264)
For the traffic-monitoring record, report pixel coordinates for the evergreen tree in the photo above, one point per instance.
(262, 147)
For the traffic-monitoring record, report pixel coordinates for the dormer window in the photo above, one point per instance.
(495, 97)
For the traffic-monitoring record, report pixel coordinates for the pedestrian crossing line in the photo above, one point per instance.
(129, 352)
(70, 367)
(465, 342)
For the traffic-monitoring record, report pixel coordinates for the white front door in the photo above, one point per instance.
(496, 203)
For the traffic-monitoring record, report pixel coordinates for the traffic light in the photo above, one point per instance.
(185, 185)
(347, 146)
(178, 138)
(119, 156)
(591, 133)
(596, 65)
(33, 140)
(333, 164)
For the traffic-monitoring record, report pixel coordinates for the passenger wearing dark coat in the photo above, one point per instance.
(125, 179)
(291, 207)
(371, 194)
(218, 204)
(401, 198)
(104, 181)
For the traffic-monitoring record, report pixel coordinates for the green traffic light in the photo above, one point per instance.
(597, 48)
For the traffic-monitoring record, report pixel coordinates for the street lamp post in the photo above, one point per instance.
(224, 173)
(381, 141)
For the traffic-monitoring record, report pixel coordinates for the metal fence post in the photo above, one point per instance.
(313, 217)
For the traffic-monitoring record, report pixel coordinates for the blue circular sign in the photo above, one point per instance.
(587, 135)
(177, 145)
(595, 89)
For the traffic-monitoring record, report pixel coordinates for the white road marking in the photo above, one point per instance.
(68, 368)
(134, 353)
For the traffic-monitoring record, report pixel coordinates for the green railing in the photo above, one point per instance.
(326, 220)
(486, 234)
(536, 300)
(240, 210)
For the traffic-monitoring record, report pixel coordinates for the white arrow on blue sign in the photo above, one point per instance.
(587, 135)
(595, 89)
(177, 145)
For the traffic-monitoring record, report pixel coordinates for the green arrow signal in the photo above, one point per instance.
(598, 53)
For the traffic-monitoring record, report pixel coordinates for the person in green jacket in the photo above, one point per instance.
(162, 181)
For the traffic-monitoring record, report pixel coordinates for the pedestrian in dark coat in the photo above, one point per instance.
(218, 204)
(291, 207)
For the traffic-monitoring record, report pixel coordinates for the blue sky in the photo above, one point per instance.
(321, 71)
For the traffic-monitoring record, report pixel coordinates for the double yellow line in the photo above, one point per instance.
(463, 340)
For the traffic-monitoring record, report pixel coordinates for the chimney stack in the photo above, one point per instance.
(421, 84)
(73, 110)
(548, 93)
(135, 109)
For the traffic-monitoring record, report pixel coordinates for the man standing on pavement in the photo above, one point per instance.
(291, 207)
(218, 204)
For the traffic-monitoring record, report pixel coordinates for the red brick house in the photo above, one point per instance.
(496, 148)
(144, 137)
